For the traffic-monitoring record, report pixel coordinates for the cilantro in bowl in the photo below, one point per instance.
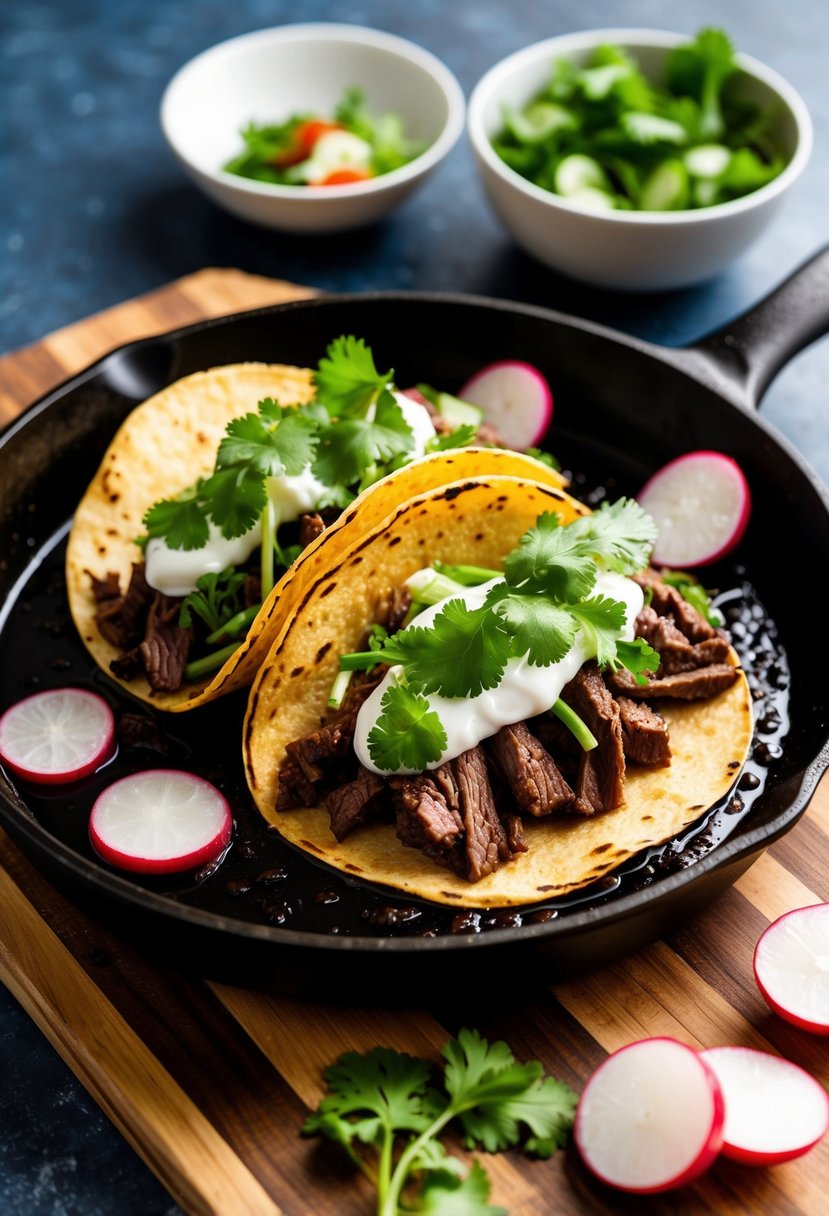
(353, 145)
(605, 137)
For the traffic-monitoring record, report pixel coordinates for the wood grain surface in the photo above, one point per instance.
(211, 1083)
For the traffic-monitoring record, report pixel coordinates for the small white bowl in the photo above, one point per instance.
(630, 250)
(271, 74)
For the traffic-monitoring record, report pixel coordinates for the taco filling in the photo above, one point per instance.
(494, 711)
(264, 487)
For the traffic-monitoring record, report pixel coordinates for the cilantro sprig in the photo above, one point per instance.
(387, 1111)
(544, 602)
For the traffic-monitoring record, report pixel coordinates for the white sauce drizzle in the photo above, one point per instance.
(523, 692)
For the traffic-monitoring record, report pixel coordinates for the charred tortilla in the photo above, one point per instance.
(474, 522)
(170, 441)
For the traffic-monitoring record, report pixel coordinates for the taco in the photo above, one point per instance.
(560, 710)
(171, 598)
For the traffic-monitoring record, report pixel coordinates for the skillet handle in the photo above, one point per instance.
(750, 351)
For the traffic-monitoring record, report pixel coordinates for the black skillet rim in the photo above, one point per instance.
(732, 850)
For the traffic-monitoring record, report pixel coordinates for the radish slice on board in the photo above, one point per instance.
(651, 1117)
(159, 822)
(701, 504)
(516, 400)
(791, 966)
(57, 736)
(774, 1110)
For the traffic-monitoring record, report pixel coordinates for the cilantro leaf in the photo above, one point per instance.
(236, 497)
(602, 619)
(637, 656)
(460, 654)
(348, 448)
(551, 559)
(407, 734)
(445, 1194)
(181, 521)
(215, 601)
(347, 380)
(538, 628)
(461, 437)
(699, 69)
(620, 534)
(495, 1096)
(268, 444)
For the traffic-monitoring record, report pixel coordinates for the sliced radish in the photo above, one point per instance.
(57, 736)
(791, 966)
(701, 504)
(516, 400)
(651, 1117)
(159, 822)
(774, 1110)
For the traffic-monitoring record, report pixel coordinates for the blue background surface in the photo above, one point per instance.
(93, 209)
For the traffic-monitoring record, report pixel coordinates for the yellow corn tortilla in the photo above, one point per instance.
(171, 440)
(476, 522)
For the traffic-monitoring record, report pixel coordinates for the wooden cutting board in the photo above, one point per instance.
(211, 1084)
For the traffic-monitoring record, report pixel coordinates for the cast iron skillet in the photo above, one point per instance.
(622, 405)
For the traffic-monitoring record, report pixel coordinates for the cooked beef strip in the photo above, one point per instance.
(128, 665)
(485, 841)
(666, 600)
(600, 780)
(645, 736)
(353, 803)
(294, 788)
(684, 686)
(426, 814)
(121, 619)
(331, 741)
(675, 651)
(106, 588)
(401, 602)
(166, 645)
(528, 770)
(515, 833)
(311, 526)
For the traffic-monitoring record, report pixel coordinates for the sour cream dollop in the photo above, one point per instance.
(523, 692)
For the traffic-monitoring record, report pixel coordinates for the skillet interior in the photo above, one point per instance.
(620, 404)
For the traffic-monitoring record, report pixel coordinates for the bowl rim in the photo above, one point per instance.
(321, 31)
(630, 38)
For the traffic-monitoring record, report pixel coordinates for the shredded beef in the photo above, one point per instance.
(311, 526)
(120, 619)
(106, 588)
(485, 841)
(425, 817)
(352, 804)
(252, 590)
(675, 651)
(666, 600)
(311, 752)
(600, 780)
(401, 602)
(128, 665)
(684, 686)
(166, 645)
(138, 730)
(315, 759)
(515, 833)
(645, 736)
(294, 788)
(529, 771)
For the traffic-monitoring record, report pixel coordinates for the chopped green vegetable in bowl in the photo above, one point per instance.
(352, 145)
(605, 136)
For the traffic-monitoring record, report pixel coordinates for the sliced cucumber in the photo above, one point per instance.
(538, 121)
(592, 199)
(578, 172)
(457, 412)
(708, 160)
(666, 188)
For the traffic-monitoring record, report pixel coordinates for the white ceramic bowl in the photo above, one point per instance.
(630, 250)
(270, 75)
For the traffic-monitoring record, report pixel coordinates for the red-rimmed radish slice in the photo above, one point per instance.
(791, 966)
(57, 736)
(159, 822)
(650, 1117)
(516, 400)
(774, 1110)
(701, 504)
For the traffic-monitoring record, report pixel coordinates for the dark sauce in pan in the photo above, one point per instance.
(263, 880)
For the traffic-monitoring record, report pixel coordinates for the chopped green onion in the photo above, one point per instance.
(578, 172)
(467, 576)
(665, 188)
(339, 689)
(270, 523)
(210, 662)
(235, 625)
(586, 739)
(430, 587)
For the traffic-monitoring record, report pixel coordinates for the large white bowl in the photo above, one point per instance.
(632, 250)
(270, 75)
